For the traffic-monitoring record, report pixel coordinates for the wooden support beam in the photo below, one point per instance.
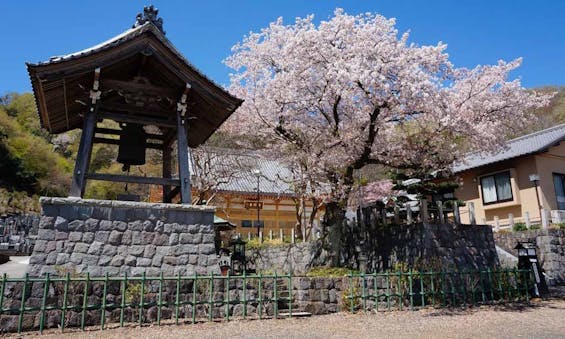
(133, 179)
(135, 119)
(173, 193)
(182, 147)
(152, 145)
(82, 162)
(111, 131)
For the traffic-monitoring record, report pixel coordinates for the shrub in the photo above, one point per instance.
(519, 226)
(535, 227)
(561, 225)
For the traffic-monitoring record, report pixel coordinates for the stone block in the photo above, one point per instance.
(148, 226)
(63, 258)
(104, 260)
(208, 238)
(46, 222)
(119, 225)
(174, 239)
(136, 250)
(136, 225)
(207, 248)
(193, 229)
(126, 237)
(46, 234)
(76, 225)
(143, 262)
(161, 239)
(136, 238)
(76, 258)
(88, 237)
(109, 250)
(115, 237)
(101, 236)
(61, 235)
(39, 246)
(117, 260)
(91, 225)
(182, 259)
(75, 236)
(51, 258)
(159, 226)
(186, 238)
(51, 246)
(105, 225)
(90, 260)
(130, 260)
(149, 251)
(147, 237)
(61, 224)
(170, 260)
(81, 247)
(95, 248)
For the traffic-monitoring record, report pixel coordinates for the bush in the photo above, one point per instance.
(535, 227)
(561, 225)
(519, 226)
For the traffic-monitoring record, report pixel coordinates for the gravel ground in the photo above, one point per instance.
(543, 319)
(16, 267)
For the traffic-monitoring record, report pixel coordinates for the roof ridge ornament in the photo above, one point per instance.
(149, 15)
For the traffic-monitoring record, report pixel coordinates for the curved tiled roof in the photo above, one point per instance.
(524, 145)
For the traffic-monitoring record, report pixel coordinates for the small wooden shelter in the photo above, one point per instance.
(137, 79)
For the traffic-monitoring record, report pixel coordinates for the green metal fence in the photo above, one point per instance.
(85, 300)
(417, 289)
(79, 301)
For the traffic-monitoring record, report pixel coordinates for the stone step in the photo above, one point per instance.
(299, 314)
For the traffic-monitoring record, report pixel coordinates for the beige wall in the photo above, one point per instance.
(523, 191)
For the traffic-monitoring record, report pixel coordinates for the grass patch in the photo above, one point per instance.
(330, 271)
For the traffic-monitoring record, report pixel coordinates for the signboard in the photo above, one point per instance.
(253, 204)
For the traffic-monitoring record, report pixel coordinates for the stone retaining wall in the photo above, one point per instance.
(295, 258)
(117, 237)
(550, 245)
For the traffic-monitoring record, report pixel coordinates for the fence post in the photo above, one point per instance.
(281, 234)
(544, 219)
(424, 211)
(511, 220)
(260, 237)
(408, 214)
(248, 235)
(396, 215)
(527, 220)
(270, 235)
(496, 224)
(440, 212)
(472, 219)
(456, 213)
(292, 235)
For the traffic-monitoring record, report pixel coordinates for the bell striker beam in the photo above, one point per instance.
(86, 139)
(182, 147)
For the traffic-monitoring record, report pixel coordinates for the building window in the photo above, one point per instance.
(252, 223)
(496, 188)
(559, 183)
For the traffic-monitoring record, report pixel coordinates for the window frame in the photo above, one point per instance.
(493, 175)
(553, 175)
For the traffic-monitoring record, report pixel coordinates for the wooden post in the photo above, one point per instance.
(511, 220)
(260, 237)
(472, 219)
(408, 214)
(270, 235)
(85, 147)
(544, 219)
(496, 224)
(292, 235)
(396, 215)
(182, 147)
(248, 235)
(456, 213)
(440, 212)
(424, 211)
(167, 173)
(384, 216)
(527, 220)
(281, 234)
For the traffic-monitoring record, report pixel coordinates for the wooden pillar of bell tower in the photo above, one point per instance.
(86, 139)
(182, 147)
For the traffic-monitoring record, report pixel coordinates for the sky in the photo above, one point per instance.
(476, 32)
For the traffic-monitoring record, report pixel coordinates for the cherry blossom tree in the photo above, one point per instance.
(351, 91)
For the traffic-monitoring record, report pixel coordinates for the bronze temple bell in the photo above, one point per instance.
(132, 146)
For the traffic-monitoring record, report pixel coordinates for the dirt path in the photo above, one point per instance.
(541, 320)
(16, 267)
